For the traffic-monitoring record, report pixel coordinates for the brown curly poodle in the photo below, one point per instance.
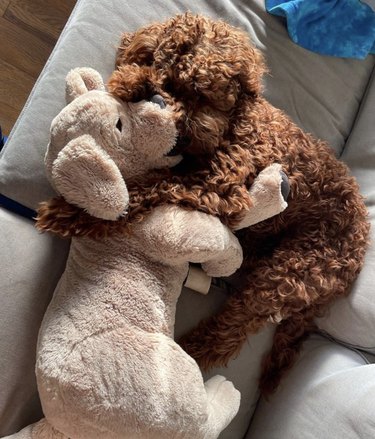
(297, 263)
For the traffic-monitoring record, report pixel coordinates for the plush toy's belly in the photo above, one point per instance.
(123, 383)
(100, 290)
(105, 367)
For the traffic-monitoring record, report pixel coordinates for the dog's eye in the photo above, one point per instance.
(157, 99)
(119, 125)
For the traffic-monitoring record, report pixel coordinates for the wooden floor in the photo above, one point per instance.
(29, 30)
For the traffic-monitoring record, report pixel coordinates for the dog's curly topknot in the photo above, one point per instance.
(297, 263)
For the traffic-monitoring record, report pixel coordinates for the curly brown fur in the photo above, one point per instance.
(297, 263)
(66, 220)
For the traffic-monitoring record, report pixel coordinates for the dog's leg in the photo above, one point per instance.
(308, 269)
(287, 342)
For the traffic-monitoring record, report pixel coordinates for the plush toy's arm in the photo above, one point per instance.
(176, 235)
(268, 194)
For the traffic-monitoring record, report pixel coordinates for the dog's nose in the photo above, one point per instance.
(285, 186)
(157, 99)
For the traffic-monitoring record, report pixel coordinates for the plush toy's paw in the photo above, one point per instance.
(222, 268)
(223, 403)
(268, 193)
(222, 392)
(226, 253)
(230, 262)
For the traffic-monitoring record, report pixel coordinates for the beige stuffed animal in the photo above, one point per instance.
(107, 366)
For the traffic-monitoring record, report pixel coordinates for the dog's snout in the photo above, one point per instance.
(157, 99)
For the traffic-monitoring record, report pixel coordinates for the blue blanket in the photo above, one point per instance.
(344, 28)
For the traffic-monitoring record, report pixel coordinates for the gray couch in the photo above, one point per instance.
(330, 391)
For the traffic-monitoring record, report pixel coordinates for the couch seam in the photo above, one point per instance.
(359, 111)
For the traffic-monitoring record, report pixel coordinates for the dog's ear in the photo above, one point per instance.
(126, 39)
(139, 47)
(86, 176)
(131, 82)
(133, 78)
(81, 80)
(252, 69)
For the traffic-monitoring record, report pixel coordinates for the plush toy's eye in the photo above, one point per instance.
(119, 125)
(157, 99)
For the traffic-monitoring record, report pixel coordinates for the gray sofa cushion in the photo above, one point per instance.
(352, 319)
(329, 393)
(31, 265)
(322, 94)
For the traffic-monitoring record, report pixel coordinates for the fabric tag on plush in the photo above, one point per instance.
(342, 28)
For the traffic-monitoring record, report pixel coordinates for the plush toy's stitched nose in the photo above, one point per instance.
(157, 99)
(285, 186)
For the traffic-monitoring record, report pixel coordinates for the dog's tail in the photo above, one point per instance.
(287, 342)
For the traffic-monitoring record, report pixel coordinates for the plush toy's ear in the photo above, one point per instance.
(86, 176)
(80, 81)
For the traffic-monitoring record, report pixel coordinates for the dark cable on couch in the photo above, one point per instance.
(3, 139)
(10, 204)
(17, 208)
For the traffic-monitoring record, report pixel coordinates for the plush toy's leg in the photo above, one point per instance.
(179, 235)
(223, 404)
(40, 430)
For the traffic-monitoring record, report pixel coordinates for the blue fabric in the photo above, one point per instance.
(343, 28)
